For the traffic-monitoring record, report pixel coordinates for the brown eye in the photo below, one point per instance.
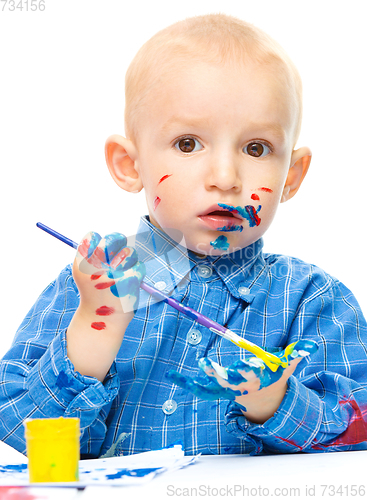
(256, 149)
(188, 145)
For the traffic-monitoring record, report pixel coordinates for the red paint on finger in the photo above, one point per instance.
(96, 276)
(120, 257)
(156, 202)
(84, 247)
(105, 311)
(106, 284)
(255, 197)
(98, 326)
(164, 178)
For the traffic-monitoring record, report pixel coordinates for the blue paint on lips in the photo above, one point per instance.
(248, 212)
(230, 228)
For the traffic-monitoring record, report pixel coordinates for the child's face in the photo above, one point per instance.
(213, 153)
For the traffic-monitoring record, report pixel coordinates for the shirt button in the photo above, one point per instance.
(204, 271)
(169, 407)
(243, 290)
(194, 337)
(160, 285)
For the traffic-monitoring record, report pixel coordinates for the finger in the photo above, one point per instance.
(89, 256)
(88, 244)
(237, 379)
(304, 348)
(113, 245)
(126, 286)
(212, 369)
(238, 372)
(124, 260)
(245, 375)
(209, 392)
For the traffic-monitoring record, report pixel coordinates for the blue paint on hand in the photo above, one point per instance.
(232, 382)
(94, 242)
(114, 243)
(112, 258)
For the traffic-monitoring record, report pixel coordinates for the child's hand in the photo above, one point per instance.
(250, 382)
(108, 275)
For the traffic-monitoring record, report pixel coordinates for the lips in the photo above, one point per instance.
(216, 218)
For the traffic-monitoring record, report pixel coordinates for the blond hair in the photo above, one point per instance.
(213, 38)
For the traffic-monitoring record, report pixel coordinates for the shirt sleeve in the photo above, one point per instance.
(325, 406)
(37, 380)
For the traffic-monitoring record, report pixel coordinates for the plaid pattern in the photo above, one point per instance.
(272, 300)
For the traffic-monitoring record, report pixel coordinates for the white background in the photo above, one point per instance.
(61, 96)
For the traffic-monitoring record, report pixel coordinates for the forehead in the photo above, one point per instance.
(203, 94)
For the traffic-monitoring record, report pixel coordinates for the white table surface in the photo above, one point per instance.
(317, 475)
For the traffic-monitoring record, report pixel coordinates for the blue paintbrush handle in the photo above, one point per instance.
(270, 359)
(191, 313)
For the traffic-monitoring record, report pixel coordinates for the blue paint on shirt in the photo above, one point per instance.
(63, 380)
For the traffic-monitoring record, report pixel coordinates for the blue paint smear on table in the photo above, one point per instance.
(131, 472)
(13, 468)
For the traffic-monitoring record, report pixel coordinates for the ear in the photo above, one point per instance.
(300, 162)
(121, 155)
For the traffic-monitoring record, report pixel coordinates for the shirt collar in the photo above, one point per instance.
(168, 264)
(238, 270)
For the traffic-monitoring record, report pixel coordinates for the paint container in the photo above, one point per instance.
(53, 449)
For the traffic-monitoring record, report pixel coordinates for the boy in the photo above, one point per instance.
(213, 112)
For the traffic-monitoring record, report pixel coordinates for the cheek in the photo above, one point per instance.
(171, 191)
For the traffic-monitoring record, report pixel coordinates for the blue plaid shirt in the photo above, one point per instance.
(272, 300)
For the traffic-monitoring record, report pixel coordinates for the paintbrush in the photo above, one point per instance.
(272, 361)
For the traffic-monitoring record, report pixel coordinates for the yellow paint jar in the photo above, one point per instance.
(53, 449)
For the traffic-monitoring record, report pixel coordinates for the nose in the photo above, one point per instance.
(223, 173)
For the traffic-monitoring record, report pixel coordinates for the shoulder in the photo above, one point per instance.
(280, 265)
(299, 275)
(303, 285)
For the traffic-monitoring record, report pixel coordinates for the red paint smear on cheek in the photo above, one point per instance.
(156, 202)
(105, 311)
(98, 326)
(266, 190)
(255, 197)
(164, 178)
(102, 286)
